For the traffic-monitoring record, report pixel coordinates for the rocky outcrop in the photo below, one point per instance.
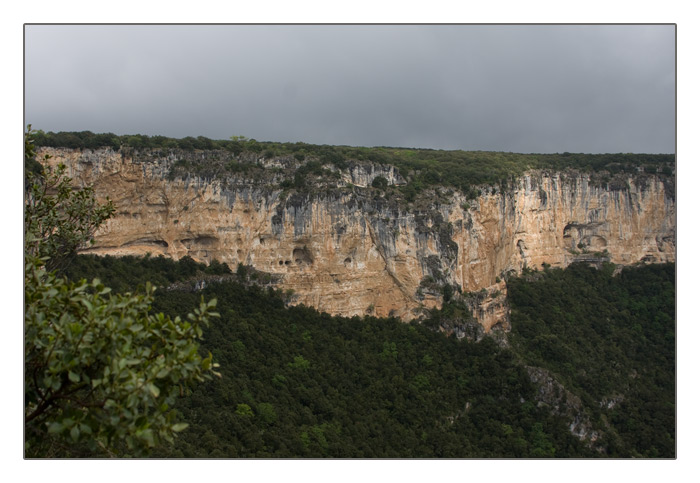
(353, 250)
(553, 395)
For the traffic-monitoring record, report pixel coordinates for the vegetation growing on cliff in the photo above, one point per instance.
(421, 168)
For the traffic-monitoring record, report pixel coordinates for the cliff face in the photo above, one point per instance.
(355, 251)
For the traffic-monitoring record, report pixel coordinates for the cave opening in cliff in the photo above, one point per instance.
(302, 256)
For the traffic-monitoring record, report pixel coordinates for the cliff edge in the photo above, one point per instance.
(349, 248)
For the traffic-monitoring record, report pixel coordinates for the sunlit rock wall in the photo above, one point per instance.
(354, 251)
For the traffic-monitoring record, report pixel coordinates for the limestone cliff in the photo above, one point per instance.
(353, 250)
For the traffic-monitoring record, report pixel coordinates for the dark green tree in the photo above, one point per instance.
(380, 182)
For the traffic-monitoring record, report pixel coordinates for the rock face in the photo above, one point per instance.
(354, 250)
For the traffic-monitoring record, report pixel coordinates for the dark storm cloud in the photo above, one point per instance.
(505, 88)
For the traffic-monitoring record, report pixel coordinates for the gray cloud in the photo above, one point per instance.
(505, 88)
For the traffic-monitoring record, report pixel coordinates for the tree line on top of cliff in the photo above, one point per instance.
(421, 168)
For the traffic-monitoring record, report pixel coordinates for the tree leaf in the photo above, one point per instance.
(55, 427)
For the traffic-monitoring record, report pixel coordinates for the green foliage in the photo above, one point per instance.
(611, 341)
(31, 165)
(322, 386)
(267, 413)
(300, 363)
(389, 351)
(244, 410)
(447, 291)
(83, 140)
(58, 220)
(466, 171)
(380, 182)
(102, 372)
(131, 273)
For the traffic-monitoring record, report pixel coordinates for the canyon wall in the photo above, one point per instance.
(352, 250)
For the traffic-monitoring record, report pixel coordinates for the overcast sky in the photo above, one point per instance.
(530, 88)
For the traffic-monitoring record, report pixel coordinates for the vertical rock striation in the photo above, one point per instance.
(356, 251)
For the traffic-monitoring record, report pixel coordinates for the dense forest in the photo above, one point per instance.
(299, 383)
(611, 341)
(465, 171)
